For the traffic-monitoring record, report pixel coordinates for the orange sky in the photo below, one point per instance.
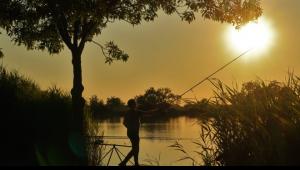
(166, 53)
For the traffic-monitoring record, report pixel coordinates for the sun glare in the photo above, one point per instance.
(256, 35)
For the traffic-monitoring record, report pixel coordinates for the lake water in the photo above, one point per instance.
(156, 137)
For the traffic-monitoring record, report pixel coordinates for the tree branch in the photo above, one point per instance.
(112, 52)
(62, 27)
(86, 32)
(61, 24)
(76, 32)
(101, 46)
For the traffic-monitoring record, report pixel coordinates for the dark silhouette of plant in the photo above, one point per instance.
(34, 124)
(95, 150)
(97, 107)
(179, 147)
(201, 108)
(152, 161)
(257, 125)
(52, 24)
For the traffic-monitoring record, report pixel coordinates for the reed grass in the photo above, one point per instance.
(258, 124)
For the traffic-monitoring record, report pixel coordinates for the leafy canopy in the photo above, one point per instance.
(49, 24)
(154, 98)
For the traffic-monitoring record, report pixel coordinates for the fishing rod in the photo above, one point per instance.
(221, 68)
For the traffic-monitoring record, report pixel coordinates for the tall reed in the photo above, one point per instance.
(256, 125)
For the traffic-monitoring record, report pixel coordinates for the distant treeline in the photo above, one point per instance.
(163, 100)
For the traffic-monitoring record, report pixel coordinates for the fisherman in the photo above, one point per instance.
(132, 123)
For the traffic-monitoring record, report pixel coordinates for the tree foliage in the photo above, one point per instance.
(96, 105)
(113, 107)
(49, 24)
(160, 98)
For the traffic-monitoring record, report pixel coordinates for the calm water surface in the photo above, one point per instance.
(188, 129)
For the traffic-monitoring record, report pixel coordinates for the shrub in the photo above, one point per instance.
(34, 122)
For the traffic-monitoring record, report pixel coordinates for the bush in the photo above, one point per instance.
(34, 123)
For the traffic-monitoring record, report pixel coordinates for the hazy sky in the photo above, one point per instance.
(166, 53)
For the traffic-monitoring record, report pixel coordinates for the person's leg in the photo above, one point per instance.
(129, 155)
(127, 158)
(135, 149)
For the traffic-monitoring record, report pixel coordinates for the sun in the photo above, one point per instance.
(256, 35)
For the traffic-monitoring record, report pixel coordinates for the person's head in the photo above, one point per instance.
(131, 104)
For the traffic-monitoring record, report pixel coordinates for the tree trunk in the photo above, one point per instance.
(78, 103)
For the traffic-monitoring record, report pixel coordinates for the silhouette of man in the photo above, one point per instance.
(132, 123)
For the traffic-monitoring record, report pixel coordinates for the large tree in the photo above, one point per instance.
(156, 98)
(54, 24)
